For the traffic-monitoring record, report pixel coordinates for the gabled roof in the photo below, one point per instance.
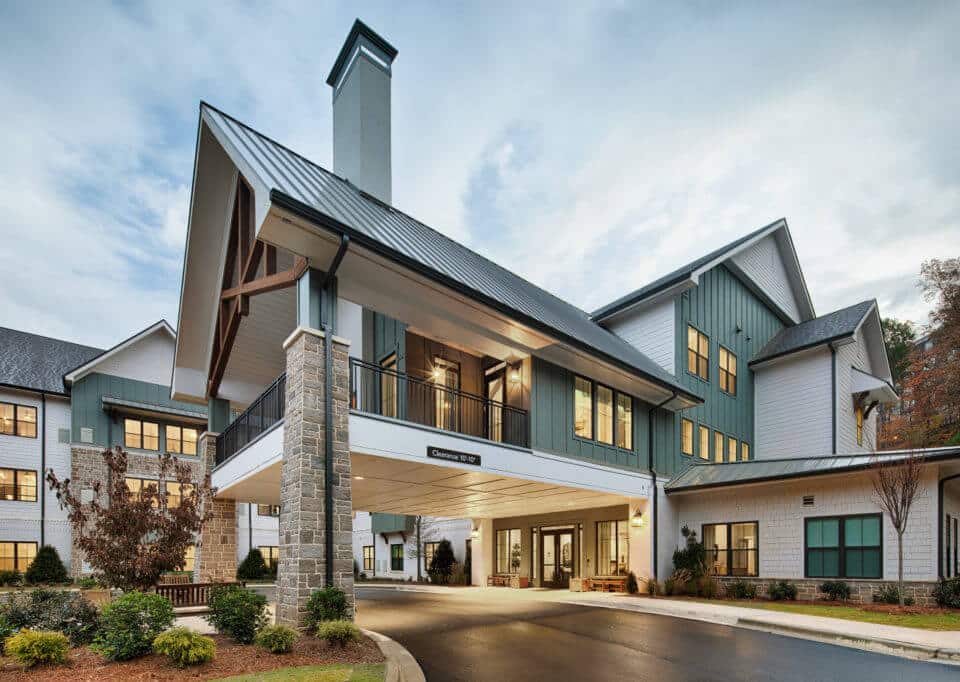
(840, 324)
(78, 371)
(701, 476)
(692, 270)
(308, 190)
(38, 363)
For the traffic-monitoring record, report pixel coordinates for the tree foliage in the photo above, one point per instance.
(898, 338)
(134, 538)
(442, 564)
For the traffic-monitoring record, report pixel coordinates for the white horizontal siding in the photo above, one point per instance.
(848, 356)
(762, 264)
(651, 331)
(792, 407)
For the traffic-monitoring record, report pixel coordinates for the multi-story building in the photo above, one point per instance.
(387, 545)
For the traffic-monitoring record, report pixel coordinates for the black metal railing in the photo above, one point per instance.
(386, 392)
(262, 413)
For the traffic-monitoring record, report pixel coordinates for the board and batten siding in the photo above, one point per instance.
(728, 312)
(793, 405)
(763, 265)
(650, 331)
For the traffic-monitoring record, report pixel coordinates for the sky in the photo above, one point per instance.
(589, 147)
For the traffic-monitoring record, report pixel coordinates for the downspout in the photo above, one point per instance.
(653, 474)
(43, 466)
(833, 399)
(940, 543)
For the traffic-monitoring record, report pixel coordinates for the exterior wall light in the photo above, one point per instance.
(475, 533)
(514, 376)
(637, 520)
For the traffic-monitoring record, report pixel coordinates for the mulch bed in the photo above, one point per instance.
(231, 659)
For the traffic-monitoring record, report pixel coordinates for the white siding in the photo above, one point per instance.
(764, 266)
(457, 531)
(149, 360)
(792, 407)
(266, 530)
(779, 511)
(651, 331)
(853, 355)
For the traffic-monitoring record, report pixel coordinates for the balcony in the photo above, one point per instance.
(260, 415)
(389, 393)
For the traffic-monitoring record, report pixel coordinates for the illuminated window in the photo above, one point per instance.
(268, 510)
(583, 408)
(508, 551)
(613, 547)
(189, 558)
(744, 451)
(18, 420)
(181, 440)
(728, 371)
(686, 436)
(698, 353)
(388, 386)
(368, 558)
(859, 425)
(18, 485)
(731, 548)
(731, 449)
(176, 491)
(429, 550)
(624, 421)
(605, 415)
(17, 556)
(271, 555)
(142, 435)
(139, 487)
(704, 442)
(717, 447)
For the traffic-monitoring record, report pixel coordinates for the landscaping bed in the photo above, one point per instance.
(231, 659)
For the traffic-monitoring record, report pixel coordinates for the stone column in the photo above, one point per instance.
(216, 555)
(303, 526)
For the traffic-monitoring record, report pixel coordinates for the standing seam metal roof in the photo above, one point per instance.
(306, 183)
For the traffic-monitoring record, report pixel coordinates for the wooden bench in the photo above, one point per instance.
(498, 581)
(175, 579)
(517, 582)
(608, 583)
(191, 594)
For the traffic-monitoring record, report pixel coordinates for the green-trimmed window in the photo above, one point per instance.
(624, 421)
(181, 440)
(731, 449)
(744, 451)
(686, 436)
(844, 547)
(704, 442)
(717, 447)
(396, 557)
(604, 414)
(18, 420)
(583, 407)
(698, 353)
(728, 371)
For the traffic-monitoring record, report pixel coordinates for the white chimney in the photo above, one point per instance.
(360, 79)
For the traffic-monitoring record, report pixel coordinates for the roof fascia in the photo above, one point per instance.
(877, 342)
(835, 341)
(727, 255)
(84, 369)
(794, 260)
(670, 292)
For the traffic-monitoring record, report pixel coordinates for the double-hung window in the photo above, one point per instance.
(698, 353)
(686, 436)
(613, 547)
(704, 442)
(843, 547)
(368, 558)
(18, 420)
(396, 557)
(176, 491)
(717, 447)
(181, 440)
(17, 556)
(728, 371)
(268, 510)
(18, 485)
(429, 549)
(508, 550)
(138, 487)
(732, 548)
(142, 435)
(271, 555)
(602, 414)
(731, 449)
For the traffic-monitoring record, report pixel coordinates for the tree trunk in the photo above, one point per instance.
(900, 567)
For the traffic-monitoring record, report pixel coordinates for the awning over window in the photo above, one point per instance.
(134, 407)
(875, 388)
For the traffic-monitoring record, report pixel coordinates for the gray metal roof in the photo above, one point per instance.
(111, 401)
(830, 327)
(38, 363)
(700, 476)
(302, 186)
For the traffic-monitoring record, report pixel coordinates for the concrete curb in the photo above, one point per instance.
(401, 665)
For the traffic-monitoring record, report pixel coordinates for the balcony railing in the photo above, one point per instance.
(262, 413)
(388, 393)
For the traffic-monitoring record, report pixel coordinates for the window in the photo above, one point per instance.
(686, 436)
(176, 491)
(141, 435)
(624, 421)
(388, 386)
(18, 420)
(704, 442)
(698, 353)
(271, 556)
(429, 549)
(18, 485)
(728, 371)
(859, 425)
(189, 558)
(744, 451)
(731, 449)
(137, 486)
(17, 556)
(396, 557)
(181, 440)
(508, 551)
(717, 447)
(613, 547)
(446, 379)
(368, 558)
(582, 407)
(843, 547)
(268, 510)
(605, 415)
(732, 548)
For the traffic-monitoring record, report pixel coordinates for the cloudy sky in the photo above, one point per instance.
(590, 148)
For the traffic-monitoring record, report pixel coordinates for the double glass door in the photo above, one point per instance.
(556, 550)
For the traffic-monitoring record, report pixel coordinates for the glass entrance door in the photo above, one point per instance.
(557, 551)
(495, 398)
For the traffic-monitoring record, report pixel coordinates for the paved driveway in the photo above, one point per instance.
(456, 637)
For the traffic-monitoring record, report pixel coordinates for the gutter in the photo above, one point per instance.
(653, 475)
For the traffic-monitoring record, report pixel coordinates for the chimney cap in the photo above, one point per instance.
(358, 31)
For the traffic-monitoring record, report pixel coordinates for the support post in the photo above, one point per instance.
(216, 553)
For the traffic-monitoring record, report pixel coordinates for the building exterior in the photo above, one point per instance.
(385, 546)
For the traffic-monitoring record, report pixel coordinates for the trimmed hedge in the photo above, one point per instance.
(130, 623)
(237, 612)
(329, 603)
(30, 648)
(185, 647)
(277, 639)
(338, 632)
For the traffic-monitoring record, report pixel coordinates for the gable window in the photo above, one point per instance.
(268, 510)
(271, 555)
(698, 353)
(605, 415)
(582, 408)
(744, 451)
(17, 556)
(18, 485)
(18, 420)
(731, 449)
(181, 440)
(732, 548)
(624, 421)
(508, 551)
(368, 558)
(429, 550)
(686, 436)
(142, 435)
(613, 547)
(843, 547)
(728, 371)
(396, 557)
(859, 425)
(704, 442)
(717, 447)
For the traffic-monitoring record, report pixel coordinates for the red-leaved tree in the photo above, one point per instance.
(136, 536)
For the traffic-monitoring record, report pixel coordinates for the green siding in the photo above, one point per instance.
(718, 307)
(390, 523)
(389, 336)
(86, 409)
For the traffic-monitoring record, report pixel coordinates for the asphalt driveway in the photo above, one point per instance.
(478, 639)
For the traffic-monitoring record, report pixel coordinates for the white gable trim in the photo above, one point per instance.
(84, 370)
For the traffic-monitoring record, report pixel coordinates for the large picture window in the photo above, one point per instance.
(686, 436)
(844, 547)
(728, 371)
(732, 548)
(368, 558)
(396, 557)
(613, 547)
(602, 414)
(508, 550)
(142, 435)
(17, 556)
(18, 485)
(18, 420)
(698, 353)
(582, 407)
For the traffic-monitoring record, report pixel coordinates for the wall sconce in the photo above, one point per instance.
(514, 376)
(637, 520)
(475, 533)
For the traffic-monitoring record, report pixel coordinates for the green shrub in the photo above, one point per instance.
(947, 593)
(52, 610)
(441, 566)
(889, 594)
(338, 632)
(669, 586)
(691, 558)
(741, 589)
(835, 590)
(29, 647)
(184, 647)
(782, 590)
(129, 624)
(46, 568)
(10, 578)
(330, 603)
(632, 586)
(654, 588)
(253, 567)
(6, 630)
(707, 587)
(237, 612)
(87, 583)
(277, 639)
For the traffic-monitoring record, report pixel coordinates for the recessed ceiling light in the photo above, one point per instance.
(358, 478)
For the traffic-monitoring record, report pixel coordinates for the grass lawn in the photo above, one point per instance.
(924, 621)
(366, 672)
